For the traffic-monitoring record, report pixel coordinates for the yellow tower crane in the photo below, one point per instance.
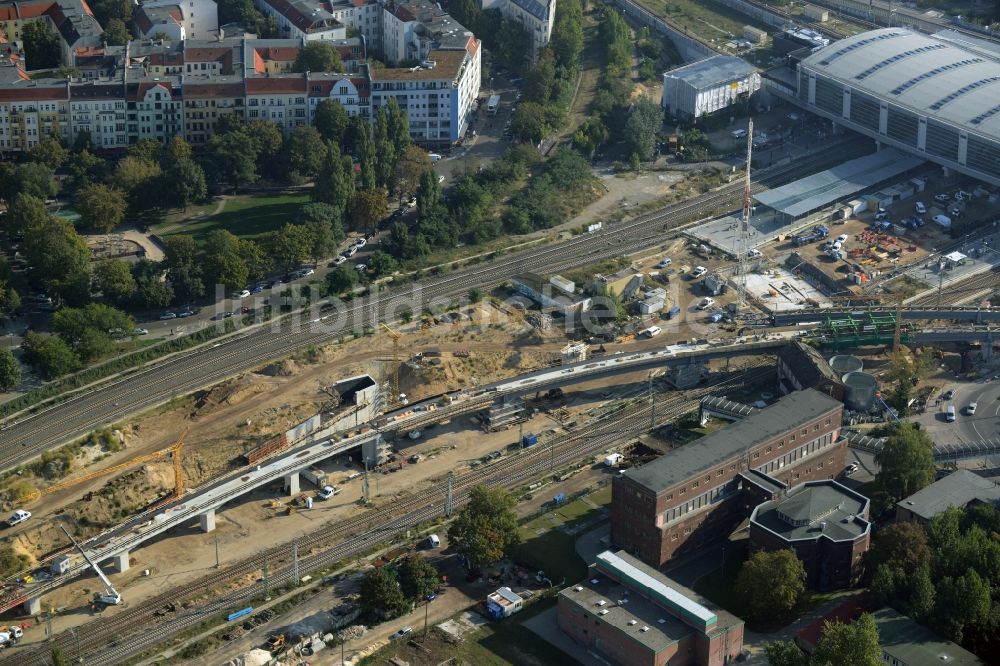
(395, 335)
(174, 450)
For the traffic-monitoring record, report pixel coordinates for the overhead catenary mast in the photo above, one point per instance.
(743, 242)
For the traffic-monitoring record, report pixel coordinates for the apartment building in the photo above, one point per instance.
(98, 108)
(165, 20)
(72, 20)
(699, 493)
(536, 17)
(198, 19)
(208, 99)
(303, 19)
(30, 111)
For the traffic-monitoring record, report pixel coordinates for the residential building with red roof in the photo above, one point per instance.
(198, 19)
(303, 19)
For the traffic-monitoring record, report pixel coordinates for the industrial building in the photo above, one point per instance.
(933, 96)
(632, 615)
(699, 493)
(959, 489)
(708, 85)
(824, 523)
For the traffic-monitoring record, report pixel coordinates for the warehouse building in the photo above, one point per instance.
(936, 97)
(697, 494)
(708, 86)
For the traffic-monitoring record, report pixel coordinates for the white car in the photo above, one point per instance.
(440, 179)
(942, 198)
(399, 634)
(920, 207)
(434, 157)
(339, 260)
(706, 303)
(351, 251)
(738, 133)
(754, 253)
(699, 271)
(305, 272)
(327, 492)
(971, 410)
(666, 261)
(851, 469)
(168, 315)
(842, 238)
(140, 331)
(241, 294)
(361, 268)
(18, 517)
(360, 243)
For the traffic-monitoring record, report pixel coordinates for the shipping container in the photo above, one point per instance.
(315, 476)
(529, 439)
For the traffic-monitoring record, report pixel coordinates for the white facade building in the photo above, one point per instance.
(708, 85)
(199, 19)
(536, 16)
(303, 19)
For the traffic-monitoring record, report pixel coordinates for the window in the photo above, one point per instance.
(767, 450)
(682, 491)
(756, 455)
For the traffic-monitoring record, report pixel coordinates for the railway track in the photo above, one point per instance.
(959, 293)
(23, 440)
(119, 636)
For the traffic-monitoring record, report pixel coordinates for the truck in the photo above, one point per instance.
(10, 635)
(817, 232)
(315, 476)
(493, 104)
(110, 596)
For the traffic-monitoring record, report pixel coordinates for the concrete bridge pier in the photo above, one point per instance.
(207, 520)
(121, 561)
(292, 483)
(33, 606)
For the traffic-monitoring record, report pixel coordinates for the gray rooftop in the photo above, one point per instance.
(540, 10)
(915, 645)
(957, 489)
(713, 71)
(813, 510)
(712, 450)
(955, 82)
(842, 181)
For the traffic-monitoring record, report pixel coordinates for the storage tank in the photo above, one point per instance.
(859, 393)
(844, 364)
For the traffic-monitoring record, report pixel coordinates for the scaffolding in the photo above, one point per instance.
(508, 411)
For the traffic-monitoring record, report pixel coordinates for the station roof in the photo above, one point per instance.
(937, 76)
(821, 189)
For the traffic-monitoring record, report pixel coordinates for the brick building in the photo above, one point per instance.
(632, 615)
(700, 492)
(824, 523)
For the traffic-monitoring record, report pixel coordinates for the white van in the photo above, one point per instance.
(950, 415)
(652, 331)
(433, 541)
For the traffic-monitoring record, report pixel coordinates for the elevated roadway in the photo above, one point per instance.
(970, 314)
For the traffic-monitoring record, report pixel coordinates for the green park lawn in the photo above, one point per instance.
(246, 216)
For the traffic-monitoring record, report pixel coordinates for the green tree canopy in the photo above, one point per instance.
(528, 123)
(381, 595)
(906, 462)
(643, 122)
(335, 183)
(10, 370)
(185, 182)
(290, 245)
(41, 45)
(89, 330)
(35, 178)
(115, 33)
(318, 56)
(341, 279)
(101, 208)
(59, 258)
(417, 577)
(48, 354)
(331, 120)
(785, 653)
(49, 151)
(771, 583)
(368, 208)
(902, 545)
(222, 262)
(25, 212)
(410, 166)
(854, 644)
(305, 152)
(114, 279)
(486, 527)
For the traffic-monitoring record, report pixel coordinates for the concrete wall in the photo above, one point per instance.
(688, 46)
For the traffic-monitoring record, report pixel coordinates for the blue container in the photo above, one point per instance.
(529, 440)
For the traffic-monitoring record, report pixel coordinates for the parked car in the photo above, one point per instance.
(186, 313)
(434, 157)
(399, 634)
(971, 409)
(440, 179)
(738, 133)
(920, 207)
(666, 261)
(842, 238)
(948, 395)
(168, 315)
(706, 303)
(699, 271)
(18, 517)
(360, 243)
(851, 469)
(942, 198)
(360, 267)
(241, 294)
(327, 492)
(754, 253)
(140, 331)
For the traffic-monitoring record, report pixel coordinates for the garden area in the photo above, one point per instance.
(249, 216)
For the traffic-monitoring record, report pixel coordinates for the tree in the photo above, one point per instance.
(528, 123)
(341, 279)
(10, 301)
(25, 212)
(540, 79)
(318, 56)
(486, 527)
(107, 10)
(234, 159)
(115, 34)
(644, 120)
(49, 151)
(222, 262)
(58, 658)
(381, 595)
(399, 127)
(35, 178)
(101, 208)
(771, 583)
(88, 330)
(335, 183)
(290, 245)
(139, 176)
(256, 258)
(41, 45)
(305, 152)
(59, 258)
(331, 120)
(367, 208)
(902, 545)
(50, 355)
(177, 150)
(365, 149)
(183, 268)
(186, 182)
(567, 33)
(920, 602)
(961, 602)
(417, 577)
(10, 370)
(86, 167)
(323, 240)
(785, 653)
(114, 279)
(854, 644)
(321, 213)
(412, 164)
(381, 264)
(906, 462)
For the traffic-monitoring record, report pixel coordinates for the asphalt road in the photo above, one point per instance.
(984, 424)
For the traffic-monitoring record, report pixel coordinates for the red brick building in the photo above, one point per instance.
(824, 523)
(700, 492)
(632, 615)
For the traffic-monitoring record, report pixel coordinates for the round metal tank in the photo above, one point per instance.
(844, 364)
(860, 388)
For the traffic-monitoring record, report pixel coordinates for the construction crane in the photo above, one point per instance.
(174, 450)
(395, 335)
(111, 596)
(743, 241)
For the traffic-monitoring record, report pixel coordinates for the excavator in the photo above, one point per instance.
(111, 596)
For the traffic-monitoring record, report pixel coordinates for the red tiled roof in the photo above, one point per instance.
(86, 7)
(27, 10)
(294, 16)
(168, 59)
(257, 85)
(9, 94)
(282, 53)
(209, 90)
(144, 87)
(8, 12)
